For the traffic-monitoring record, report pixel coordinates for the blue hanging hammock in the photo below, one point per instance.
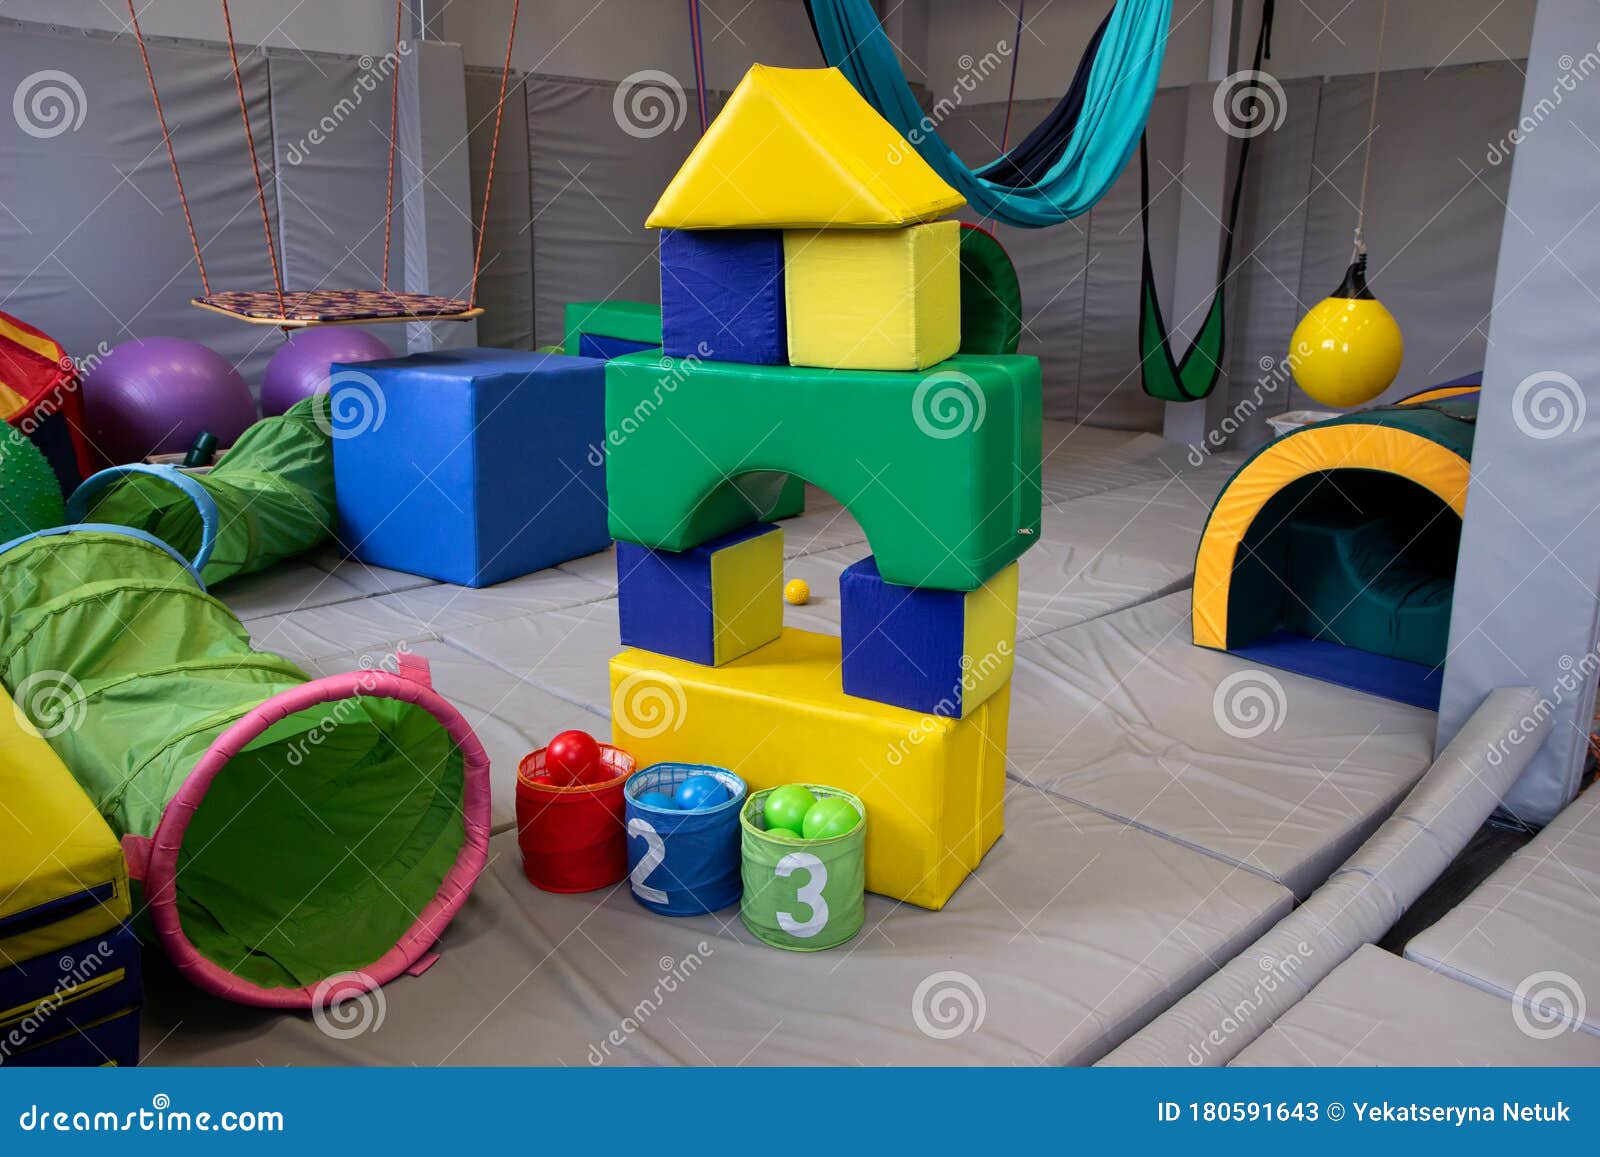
(1068, 162)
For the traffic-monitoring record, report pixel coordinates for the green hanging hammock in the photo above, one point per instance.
(1192, 377)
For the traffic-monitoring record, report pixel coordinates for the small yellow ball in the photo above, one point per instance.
(797, 592)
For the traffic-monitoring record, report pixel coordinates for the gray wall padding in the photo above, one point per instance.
(330, 122)
(1358, 904)
(92, 242)
(1264, 306)
(1435, 208)
(593, 186)
(505, 287)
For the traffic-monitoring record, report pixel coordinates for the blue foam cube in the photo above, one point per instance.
(722, 295)
(711, 604)
(936, 651)
(471, 466)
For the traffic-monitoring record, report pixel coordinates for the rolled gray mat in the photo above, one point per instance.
(1361, 901)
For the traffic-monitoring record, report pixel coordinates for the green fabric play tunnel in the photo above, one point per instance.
(295, 838)
(270, 497)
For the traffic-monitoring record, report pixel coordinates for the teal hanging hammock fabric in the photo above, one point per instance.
(1110, 97)
(1191, 378)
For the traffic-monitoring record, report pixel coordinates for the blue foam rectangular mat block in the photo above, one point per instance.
(114, 1041)
(473, 466)
(902, 645)
(722, 296)
(43, 999)
(664, 598)
(1380, 675)
(594, 345)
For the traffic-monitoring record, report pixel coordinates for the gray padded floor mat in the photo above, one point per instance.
(1074, 932)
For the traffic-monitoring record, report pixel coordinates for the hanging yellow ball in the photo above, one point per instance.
(797, 592)
(1348, 349)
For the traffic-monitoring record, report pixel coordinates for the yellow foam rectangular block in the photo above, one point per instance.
(873, 299)
(62, 876)
(933, 786)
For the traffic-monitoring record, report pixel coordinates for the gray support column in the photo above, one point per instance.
(1529, 568)
(1209, 158)
(436, 183)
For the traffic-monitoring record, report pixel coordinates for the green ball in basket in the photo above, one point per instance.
(828, 818)
(786, 807)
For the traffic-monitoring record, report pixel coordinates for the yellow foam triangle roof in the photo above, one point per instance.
(798, 148)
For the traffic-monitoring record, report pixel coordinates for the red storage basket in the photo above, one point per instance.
(573, 839)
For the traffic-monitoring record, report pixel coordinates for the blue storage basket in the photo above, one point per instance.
(683, 863)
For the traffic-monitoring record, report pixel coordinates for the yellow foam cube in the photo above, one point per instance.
(873, 299)
(933, 786)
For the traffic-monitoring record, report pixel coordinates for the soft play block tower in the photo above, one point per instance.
(935, 453)
(476, 466)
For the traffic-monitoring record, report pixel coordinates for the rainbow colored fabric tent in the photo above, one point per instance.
(39, 395)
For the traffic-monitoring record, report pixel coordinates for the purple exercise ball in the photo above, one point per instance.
(300, 368)
(155, 395)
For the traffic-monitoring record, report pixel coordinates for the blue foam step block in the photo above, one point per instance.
(594, 345)
(55, 1006)
(1388, 678)
(471, 466)
(722, 296)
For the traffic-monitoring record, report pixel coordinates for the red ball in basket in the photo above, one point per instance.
(573, 757)
(573, 835)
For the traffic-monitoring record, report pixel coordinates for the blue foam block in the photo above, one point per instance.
(594, 345)
(665, 602)
(485, 465)
(1380, 675)
(43, 1002)
(114, 1041)
(902, 645)
(722, 295)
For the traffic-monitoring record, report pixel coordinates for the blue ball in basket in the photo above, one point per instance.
(699, 792)
(658, 799)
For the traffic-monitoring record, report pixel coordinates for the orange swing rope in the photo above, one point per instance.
(288, 309)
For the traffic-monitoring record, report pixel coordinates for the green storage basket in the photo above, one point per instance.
(803, 895)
